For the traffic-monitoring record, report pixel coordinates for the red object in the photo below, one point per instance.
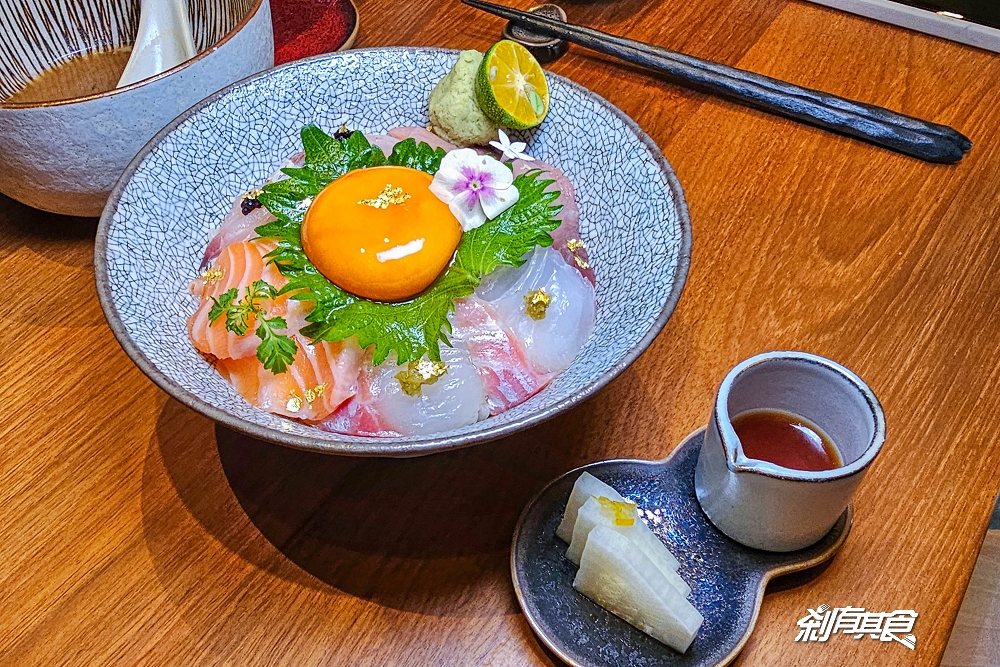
(304, 28)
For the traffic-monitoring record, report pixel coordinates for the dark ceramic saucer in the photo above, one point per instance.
(726, 578)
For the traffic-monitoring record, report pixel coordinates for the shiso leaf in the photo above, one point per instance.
(507, 238)
(418, 326)
(408, 153)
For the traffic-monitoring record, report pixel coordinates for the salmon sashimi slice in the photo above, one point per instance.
(507, 375)
(237, 267)
(320, 379)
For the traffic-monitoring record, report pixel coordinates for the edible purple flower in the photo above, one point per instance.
(476, 187)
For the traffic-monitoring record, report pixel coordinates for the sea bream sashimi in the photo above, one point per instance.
(566, 237)
(245, 217)
(415, 398)
(507, 376)
(546, 304)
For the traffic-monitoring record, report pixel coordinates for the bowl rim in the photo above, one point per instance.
(361, 446)
(143, 82)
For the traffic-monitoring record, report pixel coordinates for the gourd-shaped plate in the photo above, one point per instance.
(727, 579)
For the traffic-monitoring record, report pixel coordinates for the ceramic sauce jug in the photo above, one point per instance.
(768, 506)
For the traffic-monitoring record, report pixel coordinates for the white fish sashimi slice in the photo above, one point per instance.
(625, 582)
(552, 342)
(594, 514)
(238, 227)
(586, 487)
(456, 399)
(382, 141)
(421, 135)
(507, 375)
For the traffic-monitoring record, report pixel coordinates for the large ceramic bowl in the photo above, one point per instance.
(65, 156)
(157, 222)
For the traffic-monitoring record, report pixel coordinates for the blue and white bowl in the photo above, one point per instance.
(178, 189)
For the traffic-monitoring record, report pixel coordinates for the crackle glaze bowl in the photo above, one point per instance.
(181, 185)
(65, 155)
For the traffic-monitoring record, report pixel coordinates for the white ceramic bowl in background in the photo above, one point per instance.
(65, 156)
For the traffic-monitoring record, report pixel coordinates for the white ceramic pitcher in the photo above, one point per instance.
(767, 506)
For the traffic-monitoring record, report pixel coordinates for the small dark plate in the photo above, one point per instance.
(727, 579)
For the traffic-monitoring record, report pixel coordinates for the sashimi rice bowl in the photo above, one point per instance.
(393, 251)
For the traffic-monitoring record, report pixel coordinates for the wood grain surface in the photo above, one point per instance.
(135, 532)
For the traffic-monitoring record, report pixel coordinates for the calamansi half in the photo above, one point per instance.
(510, 86)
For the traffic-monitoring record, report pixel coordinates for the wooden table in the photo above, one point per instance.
(132, 531)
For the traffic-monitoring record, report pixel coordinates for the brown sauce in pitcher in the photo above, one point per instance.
(786, 440)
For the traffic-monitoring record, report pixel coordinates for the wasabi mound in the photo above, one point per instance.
(453, 110)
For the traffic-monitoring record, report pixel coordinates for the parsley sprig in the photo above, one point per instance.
(417, 326)
(276, 351)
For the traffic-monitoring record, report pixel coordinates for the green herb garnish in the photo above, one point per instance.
(276, 351)
(415, 327)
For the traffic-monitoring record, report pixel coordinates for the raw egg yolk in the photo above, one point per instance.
(380, 233)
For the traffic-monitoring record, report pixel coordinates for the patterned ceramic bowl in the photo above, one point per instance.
(155, 228)
(65, 155)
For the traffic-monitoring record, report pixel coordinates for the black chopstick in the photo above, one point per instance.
(905, 134)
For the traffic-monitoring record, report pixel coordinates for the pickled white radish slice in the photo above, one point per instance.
(624, 581)
(585, 487)
(594, 514)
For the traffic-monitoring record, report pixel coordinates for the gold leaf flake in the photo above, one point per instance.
(582, 264)
(314, 393)
(575, 245)
(389, 195)
(294, 404)
(535, 303)
(419, 373)
(212, 275)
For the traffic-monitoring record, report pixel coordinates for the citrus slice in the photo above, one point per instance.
(510, 86)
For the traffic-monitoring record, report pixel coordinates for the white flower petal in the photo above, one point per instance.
(444, 184)
(500, 176)
(451, 184)
(518, 146)
(499, 200)
(468, 218)
(458, 158)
